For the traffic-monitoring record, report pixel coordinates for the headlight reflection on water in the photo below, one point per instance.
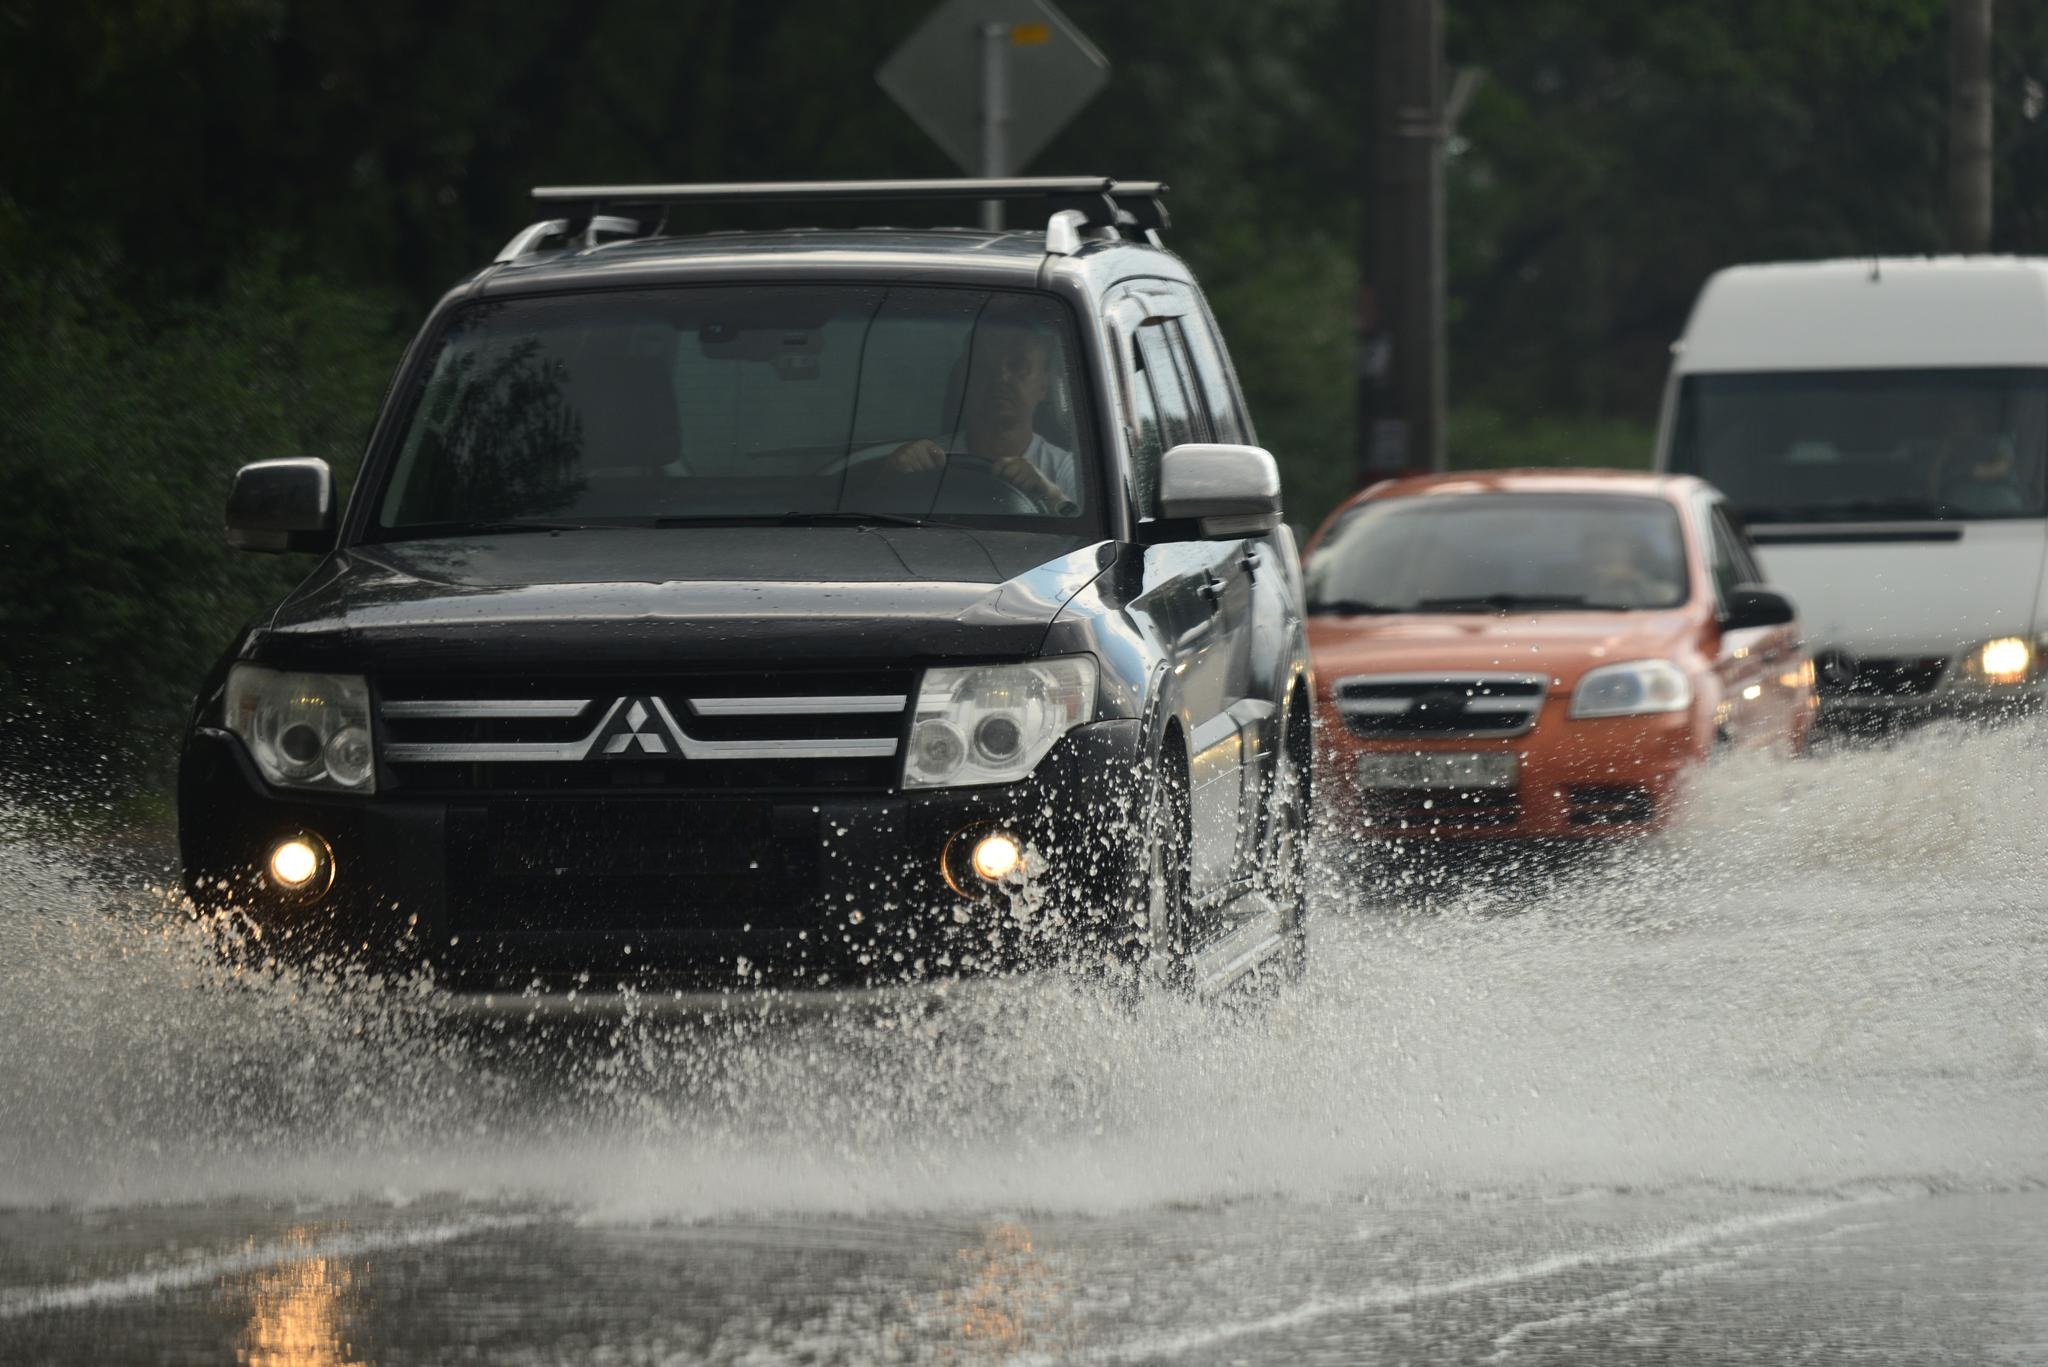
(299, 1313)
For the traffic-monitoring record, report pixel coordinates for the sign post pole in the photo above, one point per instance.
(995, 114)
(991, 81)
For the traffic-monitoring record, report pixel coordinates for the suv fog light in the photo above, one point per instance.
(980, 859)
(996, 857)
(301, 864)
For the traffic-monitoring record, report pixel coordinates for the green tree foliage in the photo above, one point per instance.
(1619, 153)
(115, 589)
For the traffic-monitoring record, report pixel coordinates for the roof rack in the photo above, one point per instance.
(1079, 207)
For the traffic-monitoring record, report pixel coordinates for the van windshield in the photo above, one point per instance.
(1868, 446)
(777, 403)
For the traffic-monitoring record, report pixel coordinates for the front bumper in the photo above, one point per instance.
(1576, 780)
(1852, 712)
(715, 889)
(1889, 688)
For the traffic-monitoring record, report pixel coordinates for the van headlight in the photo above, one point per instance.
(304, 730)
(993, 723)
(2003, 662)
(1631, 689)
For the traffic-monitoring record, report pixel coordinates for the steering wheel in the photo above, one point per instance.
(981, 477)
(968, 483)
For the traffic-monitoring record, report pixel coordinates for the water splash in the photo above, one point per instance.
(1829, 975)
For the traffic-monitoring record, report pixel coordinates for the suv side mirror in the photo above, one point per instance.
(1753, 605)
(1226, 491)
(282, 505)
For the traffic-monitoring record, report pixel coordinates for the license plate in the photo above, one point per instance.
(1439, 769)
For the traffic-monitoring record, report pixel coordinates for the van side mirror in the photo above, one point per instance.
(1753, 605)
(282, 505)
(1225, 491)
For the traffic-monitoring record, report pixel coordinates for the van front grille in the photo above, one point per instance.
(1838, 675)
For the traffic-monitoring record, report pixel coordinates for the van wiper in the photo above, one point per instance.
(1348, 607)
(1502, 602)
(1847, 510)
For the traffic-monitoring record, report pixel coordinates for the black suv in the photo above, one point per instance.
(806, 607)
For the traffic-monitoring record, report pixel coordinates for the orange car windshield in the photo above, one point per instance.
(1502, 552)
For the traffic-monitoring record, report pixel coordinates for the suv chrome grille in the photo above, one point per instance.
(1386, 705)
(703, 731)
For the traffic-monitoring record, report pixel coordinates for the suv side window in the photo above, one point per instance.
(1147, 441)
(1205, 366)
(1179, 421)
(1219, 395)
(1160, 409)
(1170, 400)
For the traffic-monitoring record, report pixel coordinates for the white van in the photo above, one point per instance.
(1883, 427)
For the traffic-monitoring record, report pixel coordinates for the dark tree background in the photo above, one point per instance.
(220, 220)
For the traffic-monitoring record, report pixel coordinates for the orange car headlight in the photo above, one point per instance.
(1632, 688)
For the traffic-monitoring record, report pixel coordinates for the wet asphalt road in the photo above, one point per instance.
(1703, 1276)
(1772, 1090)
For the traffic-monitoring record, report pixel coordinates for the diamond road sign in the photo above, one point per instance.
(936, 75)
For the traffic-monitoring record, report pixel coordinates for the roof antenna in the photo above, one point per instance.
(1876, 270)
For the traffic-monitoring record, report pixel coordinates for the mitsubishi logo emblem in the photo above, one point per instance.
(637, 726)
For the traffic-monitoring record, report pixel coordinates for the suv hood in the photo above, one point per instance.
(1560, 645)
(632, 596)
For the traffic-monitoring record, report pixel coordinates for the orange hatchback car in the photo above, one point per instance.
(1541, 653)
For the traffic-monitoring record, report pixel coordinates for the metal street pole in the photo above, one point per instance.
(995, 115)
(1969, 125)
(1401, 372)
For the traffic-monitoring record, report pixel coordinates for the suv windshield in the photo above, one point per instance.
(1885, 445)
(773, 403)
(1500, 553)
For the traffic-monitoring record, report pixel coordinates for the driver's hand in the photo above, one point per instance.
(1022, 474)
(912, 456)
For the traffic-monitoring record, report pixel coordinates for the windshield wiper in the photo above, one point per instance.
(1348, 607)
(506, 525)
(1846, 511)
(796, 519)
(853, 519)
(1501, 602)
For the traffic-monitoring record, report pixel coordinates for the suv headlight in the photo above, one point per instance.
(304, 730)
(993, 723)
(1631, 689)
(2003, 662)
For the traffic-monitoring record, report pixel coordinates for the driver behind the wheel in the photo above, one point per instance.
(1008, 376)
